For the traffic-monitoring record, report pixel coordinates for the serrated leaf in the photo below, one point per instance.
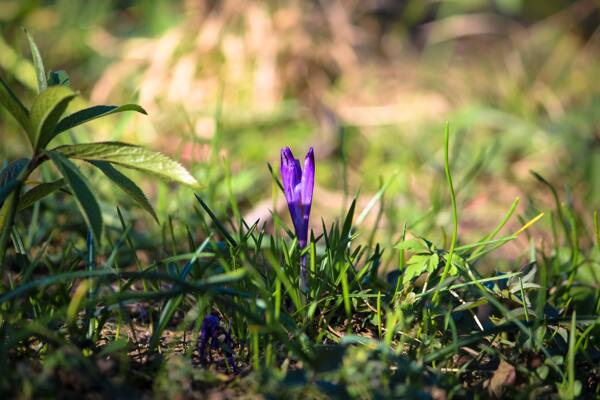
(134, 157)
(60, 77)
(38, 64)
(47, 109)
(84, 197)
(88, 114)
(415, 266)
(39, 192)
(457, 262)
(433, 262)
(411, 245)
(14, 106)
(127, 185)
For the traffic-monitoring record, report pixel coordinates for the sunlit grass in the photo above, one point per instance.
(455, 263)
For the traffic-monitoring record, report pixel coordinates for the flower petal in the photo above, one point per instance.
(306, 192)
(287, 173)
(291, 176)
(308, 180)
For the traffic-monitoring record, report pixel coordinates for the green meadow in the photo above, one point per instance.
(300, 199)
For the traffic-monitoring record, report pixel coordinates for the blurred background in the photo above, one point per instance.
(368, 83)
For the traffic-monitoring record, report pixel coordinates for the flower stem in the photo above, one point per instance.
(303, 275)
(8, 211)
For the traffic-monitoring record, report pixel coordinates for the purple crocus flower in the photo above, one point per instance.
(209, 335)
(298, 186)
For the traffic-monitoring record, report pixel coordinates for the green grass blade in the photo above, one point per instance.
(216, 221)
(448, 263)
(172, 304)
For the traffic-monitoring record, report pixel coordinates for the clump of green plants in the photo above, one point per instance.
(41, 124)
(209, 302)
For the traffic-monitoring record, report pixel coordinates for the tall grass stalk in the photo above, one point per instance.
(435, 298)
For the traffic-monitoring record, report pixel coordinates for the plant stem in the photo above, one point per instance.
(435, 298)
(7, 214)
(10, 207)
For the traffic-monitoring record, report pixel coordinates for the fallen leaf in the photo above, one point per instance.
(505, 375)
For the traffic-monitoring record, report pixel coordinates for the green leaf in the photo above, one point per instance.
(47, 109)
(542, 371)
(127, 185)
(471, 304)
(14, 106)
(416, 265)
(433, 262)
(88, 114)
(84, 197)
(114, 347)
(12, 170)
(6, 190)
(40, 73)
(11, 181)
(134, 157)
(59, 78)
(457, 263)
(9, 175)
(411, 245)
(39, 192)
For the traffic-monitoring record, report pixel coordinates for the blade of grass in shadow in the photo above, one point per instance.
(510, 326)
(216, 221)
(201, 286)
(172, 304)
(292, 291)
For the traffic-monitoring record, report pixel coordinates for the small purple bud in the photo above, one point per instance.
(298, 185)
(208, 333)
(209, 336)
